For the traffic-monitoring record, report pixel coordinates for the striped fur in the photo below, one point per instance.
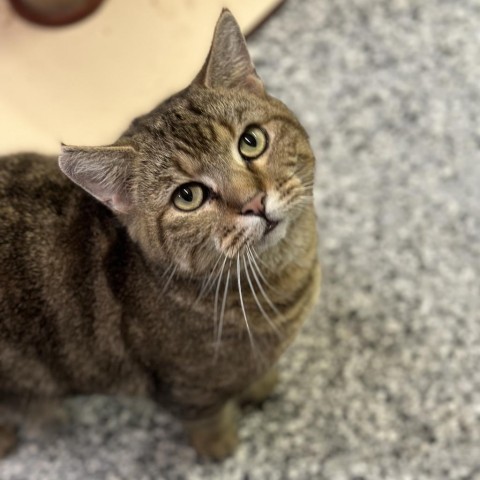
(131, 296)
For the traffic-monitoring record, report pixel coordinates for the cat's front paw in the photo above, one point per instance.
(260, 390)
(215, 445)
(215, 437)
(8, 439)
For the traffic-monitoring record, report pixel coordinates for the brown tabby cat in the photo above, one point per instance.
(177, 263)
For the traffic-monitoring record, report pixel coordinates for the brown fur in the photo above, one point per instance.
(108, 288)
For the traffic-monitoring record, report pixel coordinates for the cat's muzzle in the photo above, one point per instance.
(271, 225)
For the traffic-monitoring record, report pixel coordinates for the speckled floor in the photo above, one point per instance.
(384, 381)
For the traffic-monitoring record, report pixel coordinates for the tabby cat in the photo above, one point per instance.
(177, 263)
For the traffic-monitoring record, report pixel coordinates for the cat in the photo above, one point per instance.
(177, 263)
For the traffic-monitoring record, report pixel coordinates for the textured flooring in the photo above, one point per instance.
(384, 381)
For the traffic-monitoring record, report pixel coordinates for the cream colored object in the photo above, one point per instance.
(82, 84)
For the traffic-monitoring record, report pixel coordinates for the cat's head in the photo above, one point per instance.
(216, 168)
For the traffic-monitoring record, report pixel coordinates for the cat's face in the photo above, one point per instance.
(219, 171)
(216, 170)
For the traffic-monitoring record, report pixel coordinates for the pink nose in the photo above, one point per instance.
(255, 206)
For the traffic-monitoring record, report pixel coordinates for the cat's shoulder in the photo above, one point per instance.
(28, 168)
(34, 183)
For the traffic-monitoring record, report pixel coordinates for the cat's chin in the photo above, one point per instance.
(273, 237)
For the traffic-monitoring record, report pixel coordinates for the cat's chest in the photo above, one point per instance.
(224, 347)
(225, 338)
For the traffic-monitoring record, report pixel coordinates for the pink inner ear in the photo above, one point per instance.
(116, 203)
(253, 84)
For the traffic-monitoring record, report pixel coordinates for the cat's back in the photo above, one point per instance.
(41, 220)
(32, 193)
(56, 307)
(38, 206)
(31, 182)
(46, 222)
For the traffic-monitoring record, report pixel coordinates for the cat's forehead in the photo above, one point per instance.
(196, 118)
(229, 108)
(194, 134)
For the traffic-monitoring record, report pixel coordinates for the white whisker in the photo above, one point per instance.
(302, 203)
(267, 299)
(217, 290)
(166, 272)
(306, 192)
(257, 256)
(241, 303)
(262, 276)
(167, 283)
(208, 284)
(301, 207)
(222, 312)
(264, 313)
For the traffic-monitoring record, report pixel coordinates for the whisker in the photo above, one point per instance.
(166, 272)
(255, 254)
(307, 183)
(210, 281)
(222, 312)
(264, 313)
(302, 169)
(302, 202)
(306, 189)
(301, 207)
(267, 299)
(306, 192)
(296, 194)
(217, 290)
(167, 283)
(263, 277)
(243, 306)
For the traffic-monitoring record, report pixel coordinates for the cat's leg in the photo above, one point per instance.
(8, 439)
(9, 421)
(215, 437)
(261, 389)
(44, 417)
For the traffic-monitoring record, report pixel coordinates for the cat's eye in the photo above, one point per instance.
(190, 196)
(252, 143)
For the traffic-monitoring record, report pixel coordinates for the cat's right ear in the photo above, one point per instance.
(228, 64)
(104, 172)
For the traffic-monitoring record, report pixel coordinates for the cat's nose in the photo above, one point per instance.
(255, 206)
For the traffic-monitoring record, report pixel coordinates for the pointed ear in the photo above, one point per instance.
(104, 172)
(228, 64)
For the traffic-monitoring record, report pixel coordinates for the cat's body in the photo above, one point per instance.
(132, 295)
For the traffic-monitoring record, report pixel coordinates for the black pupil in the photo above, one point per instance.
(250, 139)
(186, 194)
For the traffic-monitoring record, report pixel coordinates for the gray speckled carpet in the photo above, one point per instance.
(384, 381)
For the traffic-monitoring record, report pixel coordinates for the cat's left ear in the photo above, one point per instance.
(104, 172)
(228, 64)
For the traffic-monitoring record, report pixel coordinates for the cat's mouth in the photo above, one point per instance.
(274, 231)
(271, 225)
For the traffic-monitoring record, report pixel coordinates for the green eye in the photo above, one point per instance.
(253, 142)
(189, 197)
